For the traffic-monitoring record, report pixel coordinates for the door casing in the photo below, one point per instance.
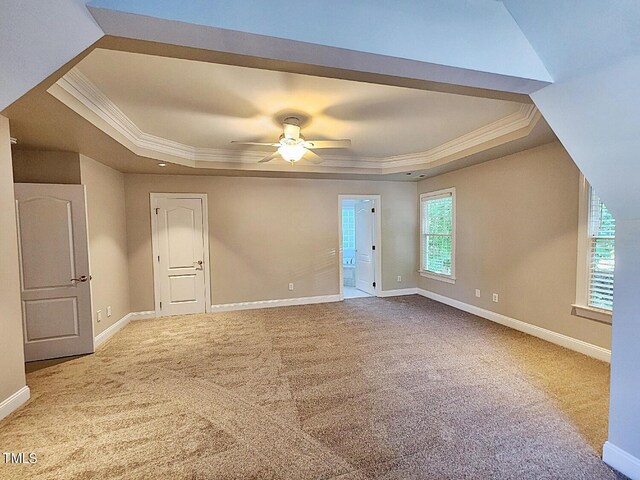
(365, 262)
(377, 239)
(153, 197)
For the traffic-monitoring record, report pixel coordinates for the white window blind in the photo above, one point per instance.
(602, 232)
(437, 232)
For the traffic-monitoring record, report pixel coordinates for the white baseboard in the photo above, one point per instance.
(101, 338)
(14, 402)
(621, 460)
(111, 331)
(143, 315)
(398, 293)
(230, 307)
(548, 335)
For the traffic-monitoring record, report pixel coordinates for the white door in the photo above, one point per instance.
(180, 280)
(365, 268)
(54, 270)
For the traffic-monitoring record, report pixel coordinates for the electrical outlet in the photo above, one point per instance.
(99, 315)
(291, 286)
(495, 297)
(399, 279)
(109, 311)
(478, 292)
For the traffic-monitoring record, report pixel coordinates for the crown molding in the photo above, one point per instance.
(77, 92)
(524, 118)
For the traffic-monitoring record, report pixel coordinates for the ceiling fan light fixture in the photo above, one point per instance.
(292, 153)
(293, 147)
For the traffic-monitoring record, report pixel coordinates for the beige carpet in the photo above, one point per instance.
(402, 388)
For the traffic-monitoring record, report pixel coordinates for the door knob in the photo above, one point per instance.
(83, 278)
(198, 264)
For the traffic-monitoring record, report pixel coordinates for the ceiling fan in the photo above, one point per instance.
(293, 147)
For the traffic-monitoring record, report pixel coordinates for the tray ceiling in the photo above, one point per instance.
(188, 112)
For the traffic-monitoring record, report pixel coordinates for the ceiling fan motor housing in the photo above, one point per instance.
(295, 121)
(292, 145)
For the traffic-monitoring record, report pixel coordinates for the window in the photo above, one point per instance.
(348, 235)
(596, 257)
(438, 235)
(602, 234)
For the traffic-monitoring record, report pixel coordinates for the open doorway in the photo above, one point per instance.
(359, 245)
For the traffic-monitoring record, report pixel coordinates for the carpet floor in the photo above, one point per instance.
(399, 388)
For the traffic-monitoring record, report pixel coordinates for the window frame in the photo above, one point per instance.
(433, 196)
(581, 307)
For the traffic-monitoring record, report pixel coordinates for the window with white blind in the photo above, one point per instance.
(596, 257)
(438, 235)
(602, 235)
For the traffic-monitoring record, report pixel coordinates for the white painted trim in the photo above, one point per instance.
(15, 401)
(435, 276)
(398, 293)
(285, 302)
(377, 241)
(86, 222)
(582, 307)
(592, 313)
(621, 460)
(101, 338)
(203, 197)
(548, 335)
(77, 92)
(146, 315)
(525, 117)
(154, 255)
(443, 193)
(582, 271)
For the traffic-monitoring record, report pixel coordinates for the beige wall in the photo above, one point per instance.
(265, 233)
(36, 166)
(517, 233)
(12, 376)
(107, 241)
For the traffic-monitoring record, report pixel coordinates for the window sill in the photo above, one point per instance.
(592, 313)
(436, 276)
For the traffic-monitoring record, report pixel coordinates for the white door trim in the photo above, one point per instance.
(153, 197)
(377, 240)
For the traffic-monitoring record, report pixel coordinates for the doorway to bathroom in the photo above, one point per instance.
(360, 248)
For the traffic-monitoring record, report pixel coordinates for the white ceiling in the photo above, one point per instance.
(207, 105)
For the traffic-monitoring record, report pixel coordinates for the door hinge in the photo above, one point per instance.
(373, 210)
(160, 305)
(158, 257)
(157, 210)
(374, 284)
(373, 247)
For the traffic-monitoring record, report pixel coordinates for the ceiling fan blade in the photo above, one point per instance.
(257, 143)
(327, 143)
(313, 157)
(291, 131)
(270, 157)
